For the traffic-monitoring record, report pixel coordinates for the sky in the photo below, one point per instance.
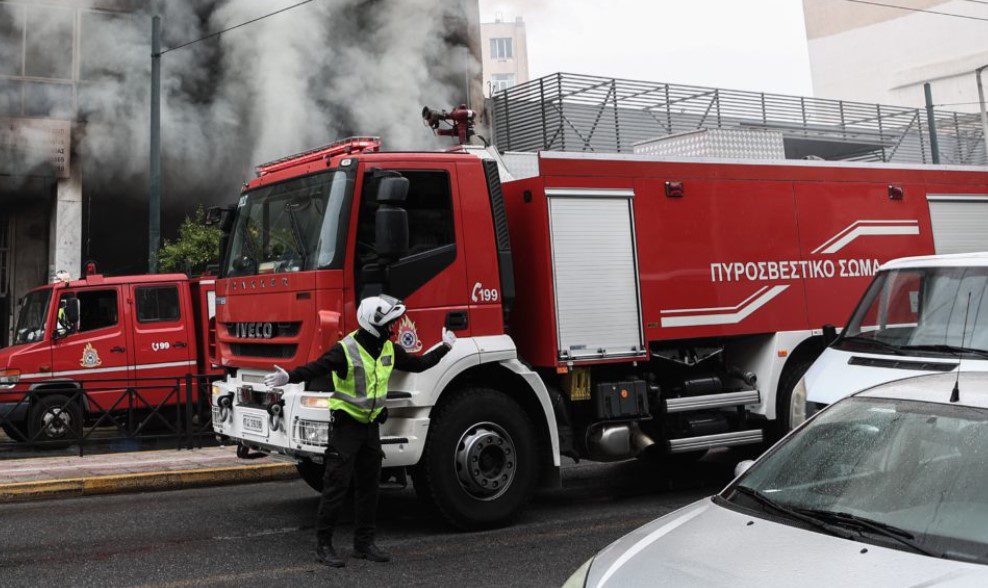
(755, 45)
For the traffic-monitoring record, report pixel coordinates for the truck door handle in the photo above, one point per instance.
(456, 320)
(179, 344)
(44, 368)
(117, 349)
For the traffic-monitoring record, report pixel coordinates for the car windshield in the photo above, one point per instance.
(920, 311)
(920, 469)
(32, 316)
(289, 227)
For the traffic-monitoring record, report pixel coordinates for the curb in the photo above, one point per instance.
(145, 481)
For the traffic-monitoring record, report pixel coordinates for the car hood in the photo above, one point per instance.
(708, 545)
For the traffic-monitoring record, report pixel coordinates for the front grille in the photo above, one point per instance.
(277, 350)
(290, 329)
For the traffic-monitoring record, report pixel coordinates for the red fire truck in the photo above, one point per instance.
(607, 307)
(103, 335)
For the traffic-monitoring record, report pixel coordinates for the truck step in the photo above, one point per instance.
(731, 439)
(688, 403)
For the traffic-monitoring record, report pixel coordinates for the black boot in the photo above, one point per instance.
(370, 552)
(326, 555)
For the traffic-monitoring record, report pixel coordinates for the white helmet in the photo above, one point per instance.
(377, 312)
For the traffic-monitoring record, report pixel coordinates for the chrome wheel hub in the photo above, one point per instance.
(57, 422)
(485, 461)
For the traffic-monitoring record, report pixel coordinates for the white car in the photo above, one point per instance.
(886, 488)
(920, 315)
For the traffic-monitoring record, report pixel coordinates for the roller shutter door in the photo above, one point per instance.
(960, 222)
(595, 273)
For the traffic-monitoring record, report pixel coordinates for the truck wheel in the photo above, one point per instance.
(56, 420)
(313, 473)
(784, 406)
(479, 467)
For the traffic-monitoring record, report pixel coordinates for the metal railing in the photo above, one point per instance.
(570, 112)
(106, 411)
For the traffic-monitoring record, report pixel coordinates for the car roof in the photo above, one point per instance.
(973, 387)
(979, 258)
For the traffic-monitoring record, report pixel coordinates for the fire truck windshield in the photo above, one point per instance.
(31, 318)
(289, 227)
(922, 311)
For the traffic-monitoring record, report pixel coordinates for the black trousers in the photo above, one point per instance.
(354, 454)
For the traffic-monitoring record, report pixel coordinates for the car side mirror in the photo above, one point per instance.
(391, 220)
(829, 334)
(743, 467)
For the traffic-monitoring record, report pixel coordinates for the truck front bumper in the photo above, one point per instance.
(303, 432)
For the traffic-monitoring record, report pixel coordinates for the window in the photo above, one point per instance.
(97, 308)
(10, 97)
(502, 48)
(501, 82)
(157, 304)
(50, 32)
(431, 234)
(48, 100)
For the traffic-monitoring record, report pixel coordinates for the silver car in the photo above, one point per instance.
(886, 488)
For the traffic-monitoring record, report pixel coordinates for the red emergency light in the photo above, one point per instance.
(343, 147)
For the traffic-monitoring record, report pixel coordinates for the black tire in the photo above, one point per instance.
(313, 473)
(55, 420)
(465, 429)
(787, 383)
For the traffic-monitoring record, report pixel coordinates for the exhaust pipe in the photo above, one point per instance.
(617, 442)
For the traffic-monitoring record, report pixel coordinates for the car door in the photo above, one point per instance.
(96, 354)
(162, 340)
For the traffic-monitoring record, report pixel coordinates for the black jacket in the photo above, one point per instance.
(334, 360)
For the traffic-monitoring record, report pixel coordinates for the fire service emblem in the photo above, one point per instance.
(90, 357)
(408, 336)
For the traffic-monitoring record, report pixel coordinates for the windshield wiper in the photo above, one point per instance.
(788, 512)
(884, 529)
(892, 349)
(952, 349)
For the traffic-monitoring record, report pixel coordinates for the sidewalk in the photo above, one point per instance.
(59, 477)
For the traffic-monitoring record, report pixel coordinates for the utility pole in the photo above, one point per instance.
(154, 191)
(981, 108)
(932, 121)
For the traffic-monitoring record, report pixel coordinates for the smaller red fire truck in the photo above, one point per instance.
(103, 335)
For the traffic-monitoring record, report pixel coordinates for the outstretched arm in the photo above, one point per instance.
(332, 361)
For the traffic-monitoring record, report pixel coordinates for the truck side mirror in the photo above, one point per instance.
(829, 334)
(391, 220)
(220, 216)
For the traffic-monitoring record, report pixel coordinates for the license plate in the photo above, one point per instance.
(255, 424)
(216, 414)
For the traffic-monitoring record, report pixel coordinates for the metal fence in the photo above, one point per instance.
(570, 112)
(106, 411)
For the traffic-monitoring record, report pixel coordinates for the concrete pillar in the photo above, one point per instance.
(65, 233)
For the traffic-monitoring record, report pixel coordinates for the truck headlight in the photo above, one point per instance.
(312, 432)
(797, 404)
(579, 577)
(312, 401)
(217, 390)
(9, 378)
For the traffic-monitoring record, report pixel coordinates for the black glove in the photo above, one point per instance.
(382, 416)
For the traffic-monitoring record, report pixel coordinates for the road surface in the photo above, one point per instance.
(262, 533)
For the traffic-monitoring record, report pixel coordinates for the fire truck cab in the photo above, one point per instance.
(606, 306)
(104, 335)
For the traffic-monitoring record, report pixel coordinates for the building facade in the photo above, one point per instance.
(504, 46)
(878, 54)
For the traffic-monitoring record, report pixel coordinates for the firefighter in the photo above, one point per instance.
(360, 366)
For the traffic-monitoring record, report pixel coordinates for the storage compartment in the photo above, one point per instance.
(621, 400)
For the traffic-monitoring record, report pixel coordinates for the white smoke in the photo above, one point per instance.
(290, 82)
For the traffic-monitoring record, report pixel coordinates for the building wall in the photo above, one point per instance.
(874, 54)
(501, 70)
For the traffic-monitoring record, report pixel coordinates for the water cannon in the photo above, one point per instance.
(460, 121)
